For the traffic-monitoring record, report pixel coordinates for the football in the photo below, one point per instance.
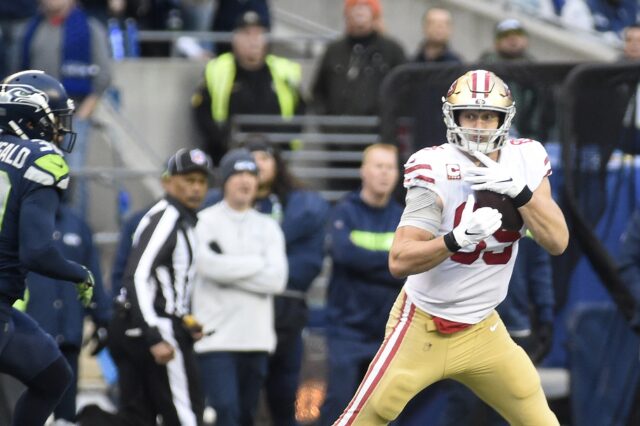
(511, 218)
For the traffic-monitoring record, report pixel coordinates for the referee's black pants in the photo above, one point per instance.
(150, 392)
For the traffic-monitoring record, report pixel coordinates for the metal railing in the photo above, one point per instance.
(226, 37)
(298, 45)
(324, 152)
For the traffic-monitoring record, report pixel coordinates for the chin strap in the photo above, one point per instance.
(18, 131)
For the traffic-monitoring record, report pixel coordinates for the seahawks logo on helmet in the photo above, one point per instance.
(22, 94)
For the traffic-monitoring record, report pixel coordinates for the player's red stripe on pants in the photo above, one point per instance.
(389, 357)
(401, 327)
(374, 362)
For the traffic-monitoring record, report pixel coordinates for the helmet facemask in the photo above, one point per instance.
(478, 90)
(64, 135)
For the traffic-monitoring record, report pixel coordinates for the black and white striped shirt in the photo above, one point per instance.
(160, 270)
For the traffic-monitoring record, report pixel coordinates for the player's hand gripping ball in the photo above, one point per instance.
(511, 218)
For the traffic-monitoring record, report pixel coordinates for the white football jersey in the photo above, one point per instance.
(467, 286)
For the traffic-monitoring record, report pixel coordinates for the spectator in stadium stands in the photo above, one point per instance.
(613, 15)
(361, 288)
(72, 47)
(262, 83)
(58, 311)
(631, 47)
(527, 313)
(152, 332)
(351, 71)
(511, 43)
(13, 15)
(241, 264)
(437, 26)
(458, 263)
(302, 215)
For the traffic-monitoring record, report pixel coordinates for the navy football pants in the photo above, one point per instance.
(32, 356)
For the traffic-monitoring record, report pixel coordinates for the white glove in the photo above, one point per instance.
(475, 226)
(493, 177)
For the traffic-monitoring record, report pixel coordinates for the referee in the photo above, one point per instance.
(152, 333)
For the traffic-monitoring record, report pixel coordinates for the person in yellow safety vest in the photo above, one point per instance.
(247, 80)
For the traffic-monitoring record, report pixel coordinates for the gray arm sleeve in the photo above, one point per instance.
(101, 57)
(422, 210)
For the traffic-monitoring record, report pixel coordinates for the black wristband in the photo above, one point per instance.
(523, 197)
(451, 243)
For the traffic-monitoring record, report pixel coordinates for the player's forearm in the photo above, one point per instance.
(414, 257)
(38, 252)
(86, 108)
(546, 222)
(50, 262)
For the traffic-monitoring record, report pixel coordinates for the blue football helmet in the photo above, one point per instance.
(34, 105)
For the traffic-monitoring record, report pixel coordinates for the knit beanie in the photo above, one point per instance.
(258, 142)
(375, 6)
(237, 161)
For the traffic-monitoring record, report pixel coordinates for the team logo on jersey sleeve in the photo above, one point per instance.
(453, 172)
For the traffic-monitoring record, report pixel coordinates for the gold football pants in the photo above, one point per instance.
(414, 355)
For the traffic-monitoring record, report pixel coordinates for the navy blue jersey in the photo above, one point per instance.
(32, 174)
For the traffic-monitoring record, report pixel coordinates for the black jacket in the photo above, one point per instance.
(351, 73)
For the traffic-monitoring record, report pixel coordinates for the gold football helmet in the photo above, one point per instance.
(478, 90)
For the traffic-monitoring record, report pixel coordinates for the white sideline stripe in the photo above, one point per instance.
(388, 350)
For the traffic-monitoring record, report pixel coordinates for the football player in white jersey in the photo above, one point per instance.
(458, 261)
